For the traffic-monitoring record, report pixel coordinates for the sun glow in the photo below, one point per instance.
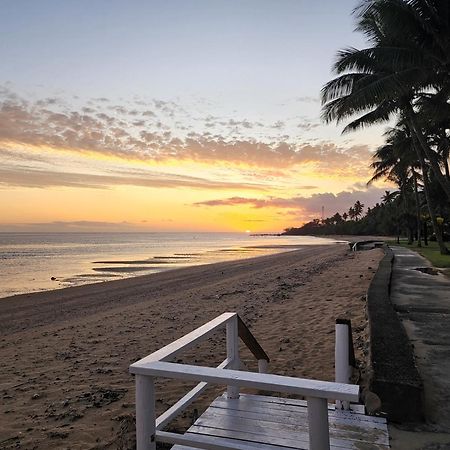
(69, 171)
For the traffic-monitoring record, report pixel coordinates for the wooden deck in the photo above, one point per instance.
(268, 423)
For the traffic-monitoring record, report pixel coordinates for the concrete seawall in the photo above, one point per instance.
(394, 376)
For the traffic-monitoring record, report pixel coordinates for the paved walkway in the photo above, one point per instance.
(421, 297)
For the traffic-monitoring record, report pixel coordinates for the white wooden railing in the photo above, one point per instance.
(149, 428)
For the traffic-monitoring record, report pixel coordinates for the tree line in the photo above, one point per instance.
(386, 218)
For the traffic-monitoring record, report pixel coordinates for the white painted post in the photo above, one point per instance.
(145, 413)
(341, 359)
(319, 436)
(263, 366)
(233, 352)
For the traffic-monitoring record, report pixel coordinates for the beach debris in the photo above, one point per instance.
(371, 401)
(57, 434)
(53, 278)
(103, 370)
(125, 437)
(35, 396)
(15, 440)
(427, 270)
(223, 294)
(100, 397)
(71, 415)
(64, 355)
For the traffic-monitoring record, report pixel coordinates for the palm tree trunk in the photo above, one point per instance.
(437, 231)
(445, 157)
(404, 203)
(411, 115)
(416, 197)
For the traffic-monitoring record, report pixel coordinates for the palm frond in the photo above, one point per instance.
(339, 87)
(380, 114)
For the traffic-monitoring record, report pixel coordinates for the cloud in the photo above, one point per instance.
(278, 124)
(305, 205)
(81, 223)
(23, 176)
(76, 225)
(307, 99)
(117, 131)
(308, 126)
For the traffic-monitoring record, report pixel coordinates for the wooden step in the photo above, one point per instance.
(268, 423)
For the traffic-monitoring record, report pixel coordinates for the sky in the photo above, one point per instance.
(174, 115)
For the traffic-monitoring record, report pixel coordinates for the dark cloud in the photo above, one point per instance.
(308, 126)
(169, 108)
(237, 123)
(305, 205)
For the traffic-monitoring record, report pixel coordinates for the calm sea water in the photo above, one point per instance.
(41, 261)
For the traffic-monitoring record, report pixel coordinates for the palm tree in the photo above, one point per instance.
(396, 161)
(351, 213)
(358, 208)
(388, 196)
(391, 76)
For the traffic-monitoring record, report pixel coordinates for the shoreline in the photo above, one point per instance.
(75, 261)
(113, 292)
(64, 378)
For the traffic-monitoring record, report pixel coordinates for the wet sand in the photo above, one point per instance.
(64, 380)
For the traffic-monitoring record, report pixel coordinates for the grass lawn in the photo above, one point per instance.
(431, 253)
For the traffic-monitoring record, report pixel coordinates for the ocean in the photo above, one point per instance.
(32, 262)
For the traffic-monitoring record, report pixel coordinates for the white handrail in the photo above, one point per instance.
(188, 340)
(146, 424)
(262, 381)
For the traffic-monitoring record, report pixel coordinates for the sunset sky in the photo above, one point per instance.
(174, 115)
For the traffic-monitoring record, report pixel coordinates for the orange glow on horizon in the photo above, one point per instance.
(182, 207)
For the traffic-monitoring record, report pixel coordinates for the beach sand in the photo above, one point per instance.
(64, 380)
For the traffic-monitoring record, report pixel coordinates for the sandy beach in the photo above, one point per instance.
(64, 380)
